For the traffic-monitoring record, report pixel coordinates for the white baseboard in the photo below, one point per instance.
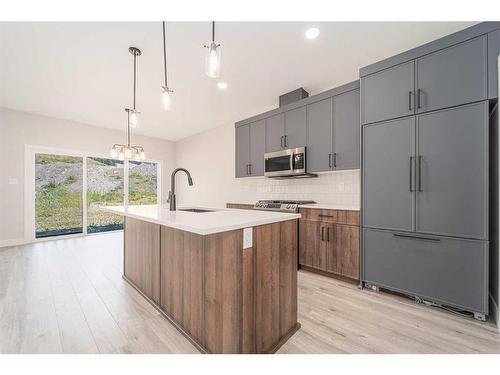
(494, 311)
(13, 242)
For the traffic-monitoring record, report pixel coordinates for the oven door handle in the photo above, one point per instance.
(291, 162)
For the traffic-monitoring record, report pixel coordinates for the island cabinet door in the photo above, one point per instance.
(142, 256)
(182, 280)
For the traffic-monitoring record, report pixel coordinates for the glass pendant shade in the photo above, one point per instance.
(128, 153)
(212, 59)
(166, 98)
(142, 155)
(113, 153)
(134, 119)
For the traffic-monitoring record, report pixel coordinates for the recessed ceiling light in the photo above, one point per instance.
(312, 33)
(222, 85)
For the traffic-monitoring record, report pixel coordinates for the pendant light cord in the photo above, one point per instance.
(164, 27)
(213, 31)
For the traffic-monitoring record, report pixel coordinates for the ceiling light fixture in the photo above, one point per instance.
(133, 112)
(166, 97)
(212, 57)
(222, 85)
(127, 151)
(312, 33)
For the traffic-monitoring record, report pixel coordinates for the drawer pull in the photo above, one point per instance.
(417, 237)
(321, 215)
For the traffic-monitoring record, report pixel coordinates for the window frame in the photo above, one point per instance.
(30, 193)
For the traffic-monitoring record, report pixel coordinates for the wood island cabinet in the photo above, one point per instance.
(329, 242)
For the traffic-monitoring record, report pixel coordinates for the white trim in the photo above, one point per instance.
(13, 242)
(29, 187)
(84, 196)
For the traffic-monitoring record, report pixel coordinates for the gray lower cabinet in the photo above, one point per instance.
(452, 76)
(320, 136)
(389, 174)
(446, 270)
(242, 150)
(295, 128)
(346, 127)
(275, 132)
(257, 147)
(452, 171)
(388, 94)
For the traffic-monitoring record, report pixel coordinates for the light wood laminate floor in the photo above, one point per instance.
(67, 296)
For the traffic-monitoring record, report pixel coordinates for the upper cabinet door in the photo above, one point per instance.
(295, 128)
(257, 147)
(242, 150)
(319, 135)
(275, 132)
(389, 174)
(346, 127)
(388, 94)
(452, 171)
(453, 76)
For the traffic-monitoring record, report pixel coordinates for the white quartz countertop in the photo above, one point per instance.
(220, 220)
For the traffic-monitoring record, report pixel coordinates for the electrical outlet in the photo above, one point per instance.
(247, 238)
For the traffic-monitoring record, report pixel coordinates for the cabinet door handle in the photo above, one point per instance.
(411, 173)
(419, 99)
(328, 234)
(409, 100)
(281, 141)
(334, 160)
(322, 233)
(249, 168)
(329, 160)
(420, 174)
(286, 140)
(417, 237)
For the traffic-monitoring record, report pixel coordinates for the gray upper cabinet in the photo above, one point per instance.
(389, 174)
(275, 132)
(295, 128)
(257, 147)
(452, 172)
(452, 76)
(242, 150)
(319, 135)
(346, 127)
(388, 94)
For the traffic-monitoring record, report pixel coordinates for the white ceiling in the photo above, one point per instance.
(83, 71)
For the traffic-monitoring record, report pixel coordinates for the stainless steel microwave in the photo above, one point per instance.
(284, 163)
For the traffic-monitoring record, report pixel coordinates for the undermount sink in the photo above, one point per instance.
(197, 210)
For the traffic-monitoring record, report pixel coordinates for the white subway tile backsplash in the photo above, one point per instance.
(342, 187)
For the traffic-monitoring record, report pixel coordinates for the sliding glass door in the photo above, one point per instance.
(58, 195)
(70, 189)
(104, 188)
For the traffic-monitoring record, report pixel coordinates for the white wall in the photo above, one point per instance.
(18, 129)
(209, 156)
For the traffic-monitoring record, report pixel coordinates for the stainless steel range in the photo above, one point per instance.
(280, 205)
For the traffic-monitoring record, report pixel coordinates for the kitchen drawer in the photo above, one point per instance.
(330, 216)
(446, 270)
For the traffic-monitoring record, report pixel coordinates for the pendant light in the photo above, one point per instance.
(166, 92)
(127, 151)
(133, 112)
(212, 57)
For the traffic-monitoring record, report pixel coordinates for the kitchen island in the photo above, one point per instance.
(226, 279)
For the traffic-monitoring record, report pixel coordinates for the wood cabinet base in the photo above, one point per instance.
(223, 298)
(329, 274)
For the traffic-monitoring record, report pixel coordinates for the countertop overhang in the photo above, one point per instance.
(220, 220)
